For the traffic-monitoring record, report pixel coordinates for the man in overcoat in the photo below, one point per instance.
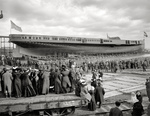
(7, 78)
(99, 94)
(46, 83)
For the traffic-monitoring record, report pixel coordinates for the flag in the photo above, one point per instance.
(145, 34)
(14, 26)
(108, 37)
(1, 15)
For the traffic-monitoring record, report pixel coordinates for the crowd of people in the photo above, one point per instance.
(107, 63)
(20, 82)
(64, 76)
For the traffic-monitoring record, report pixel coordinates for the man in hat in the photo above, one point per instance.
(99, 94)
(7, 78)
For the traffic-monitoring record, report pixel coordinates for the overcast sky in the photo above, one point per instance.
(127, 19)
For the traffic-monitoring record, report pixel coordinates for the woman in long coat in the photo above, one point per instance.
(17, 83)
(92, 103)
(84, 91)
(99, 94)
(46, 83)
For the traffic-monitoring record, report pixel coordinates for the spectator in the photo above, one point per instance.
(27, 88)
(148, 110)
(116, 111)
(58, 78)
(148, 87)
(17, 83)
(139, 96)
(99, 94)
(7, 78)
(92, 103)
(137, 109)
(84, 91)
(66, 84)
(35, 81)
(46, 83)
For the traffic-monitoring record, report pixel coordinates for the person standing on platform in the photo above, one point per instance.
(99, 94)
(58, 78)
(46, 83)
(17, 83)
(35, 81)
(40, 81)
(116, 111)
(72, 77)
(7, 78)
(66, 84)
(27, 88)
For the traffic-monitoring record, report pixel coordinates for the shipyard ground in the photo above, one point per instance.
(118, 86)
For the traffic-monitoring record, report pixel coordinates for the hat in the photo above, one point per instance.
(83, 82)
(63, 66)
(14, 67)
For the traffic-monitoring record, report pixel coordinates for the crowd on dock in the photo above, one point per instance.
(65, 76)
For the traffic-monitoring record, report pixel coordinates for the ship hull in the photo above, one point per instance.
(41, 45)
(76, 49)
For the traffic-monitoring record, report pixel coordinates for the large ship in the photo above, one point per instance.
(44, 45)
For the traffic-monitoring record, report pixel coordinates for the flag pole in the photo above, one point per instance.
(10, 26)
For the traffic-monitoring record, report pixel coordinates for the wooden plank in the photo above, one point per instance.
(41, 98)
(112, 93)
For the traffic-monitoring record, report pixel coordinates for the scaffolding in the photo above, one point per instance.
(6, 47)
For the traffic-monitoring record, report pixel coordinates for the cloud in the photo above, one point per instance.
(87, 18)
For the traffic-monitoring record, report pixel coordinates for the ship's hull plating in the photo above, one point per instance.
(40, 45)
(44, 50)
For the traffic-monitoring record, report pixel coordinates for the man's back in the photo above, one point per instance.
(115, 112)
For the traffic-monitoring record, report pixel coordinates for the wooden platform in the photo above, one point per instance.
(50, 101)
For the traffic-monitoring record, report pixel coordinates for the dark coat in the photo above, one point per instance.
(137, 109)
(17, 84)
(57, 87)
(148, 89)
(72, 78)
(115, 112)
(92, 103)
(65, 80)
(27, 88)
(99, 94)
